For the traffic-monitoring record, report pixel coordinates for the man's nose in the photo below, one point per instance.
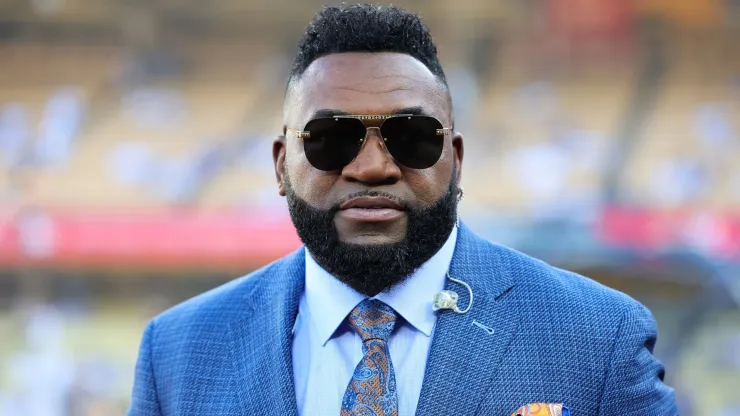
(373, 165)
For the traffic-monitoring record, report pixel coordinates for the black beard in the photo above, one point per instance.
(373, 268)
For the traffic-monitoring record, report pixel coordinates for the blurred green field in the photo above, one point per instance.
(100, 344)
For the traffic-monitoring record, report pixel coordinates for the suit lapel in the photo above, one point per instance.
(467, 348)
(463, 357)
(261, 339)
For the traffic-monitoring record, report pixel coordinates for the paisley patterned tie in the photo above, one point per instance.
(372, 390)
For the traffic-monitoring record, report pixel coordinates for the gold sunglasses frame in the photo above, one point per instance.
(446, 131)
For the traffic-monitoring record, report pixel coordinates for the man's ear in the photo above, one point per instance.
(458, 151)
(278, 157)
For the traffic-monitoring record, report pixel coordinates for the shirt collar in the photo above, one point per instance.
(329, 301)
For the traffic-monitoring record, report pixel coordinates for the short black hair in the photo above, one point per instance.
(366, 28)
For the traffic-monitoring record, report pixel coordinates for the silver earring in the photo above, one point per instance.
(460, 196)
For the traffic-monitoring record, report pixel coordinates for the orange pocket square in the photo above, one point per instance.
(542, 409)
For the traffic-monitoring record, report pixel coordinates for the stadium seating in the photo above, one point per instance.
(687, 154)
(229, 97)
(522, 114)
(212, 103)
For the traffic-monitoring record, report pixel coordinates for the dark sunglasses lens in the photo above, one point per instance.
(413, 141)
(333, 143)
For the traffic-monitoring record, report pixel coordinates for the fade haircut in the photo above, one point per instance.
(366, 28)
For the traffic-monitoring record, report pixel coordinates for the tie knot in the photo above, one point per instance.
(372, 319)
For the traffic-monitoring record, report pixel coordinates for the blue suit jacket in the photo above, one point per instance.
(557, 337)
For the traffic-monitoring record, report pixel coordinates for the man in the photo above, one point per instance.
(370, 165)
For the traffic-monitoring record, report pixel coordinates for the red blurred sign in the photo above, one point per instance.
(715, 234)
(233, 238)
(162, 238)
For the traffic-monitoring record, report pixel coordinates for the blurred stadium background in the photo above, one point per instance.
(135, 143)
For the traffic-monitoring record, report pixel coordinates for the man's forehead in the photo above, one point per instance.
(366, 83)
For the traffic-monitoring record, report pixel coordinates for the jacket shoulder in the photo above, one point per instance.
(564, 290)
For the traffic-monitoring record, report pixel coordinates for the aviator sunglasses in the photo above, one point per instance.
(331, 143)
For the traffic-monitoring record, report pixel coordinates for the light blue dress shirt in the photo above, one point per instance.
(326, 350)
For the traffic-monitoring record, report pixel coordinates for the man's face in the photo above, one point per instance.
(419, 208)
(371, 84)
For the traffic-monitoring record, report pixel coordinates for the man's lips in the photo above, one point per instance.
(371, 202)
(371, 209)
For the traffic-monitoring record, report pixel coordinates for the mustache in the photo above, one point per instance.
(369, 193)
